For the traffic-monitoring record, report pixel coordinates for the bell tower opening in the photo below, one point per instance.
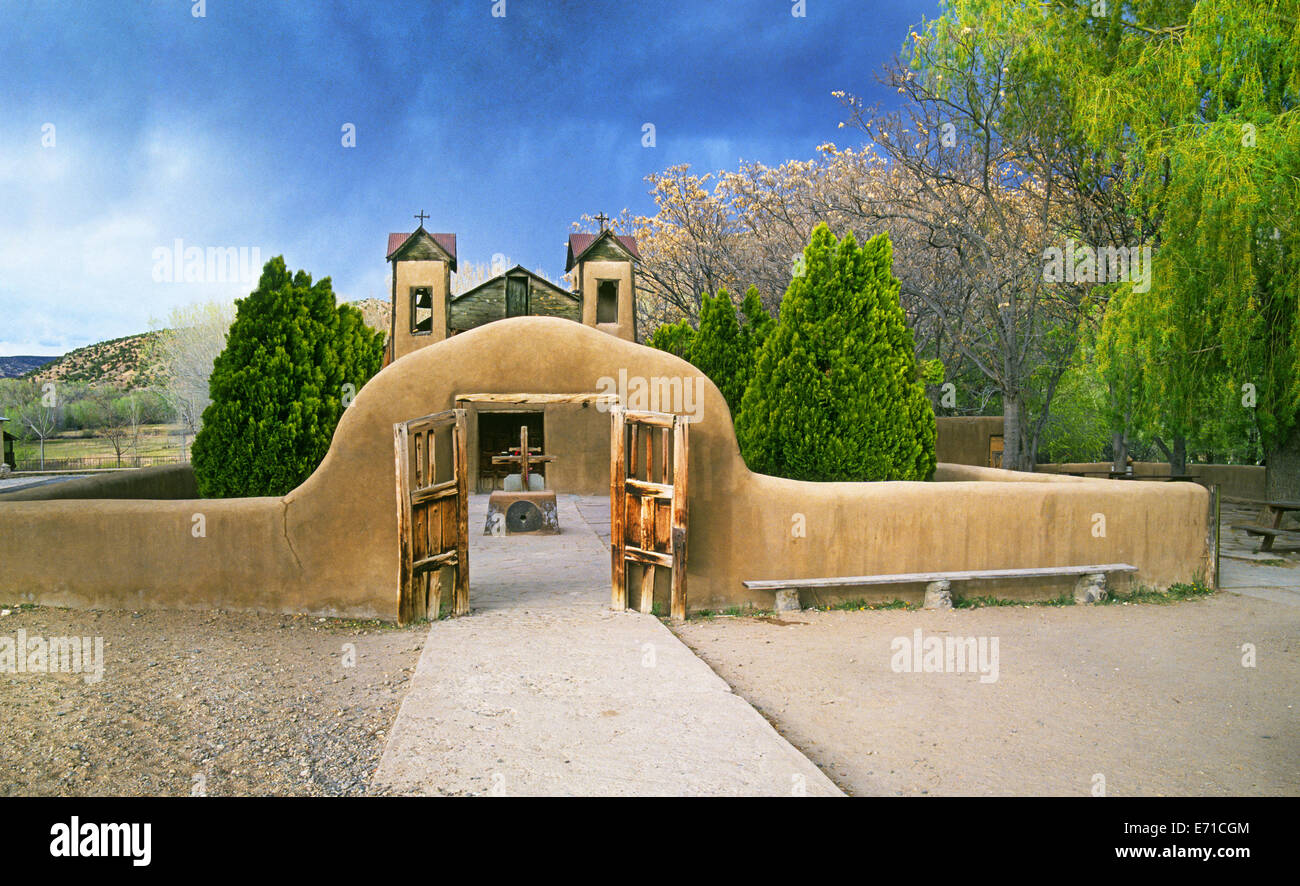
(607, 301)
(421, 310)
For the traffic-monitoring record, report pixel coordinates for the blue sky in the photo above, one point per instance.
(226, 131)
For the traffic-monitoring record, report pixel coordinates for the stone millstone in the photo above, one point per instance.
(522, 513)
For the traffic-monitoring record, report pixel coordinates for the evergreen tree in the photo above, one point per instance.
(278, 387)
(757, 325)
(836, 393)
(718, 349)
(675, 338)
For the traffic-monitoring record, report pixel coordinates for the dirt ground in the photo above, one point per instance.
(223, 703)
(1153, 698)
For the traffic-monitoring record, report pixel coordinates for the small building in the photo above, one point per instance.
(7, 445)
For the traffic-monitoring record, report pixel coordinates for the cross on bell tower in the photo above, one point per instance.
(421, 217)
(603, 219)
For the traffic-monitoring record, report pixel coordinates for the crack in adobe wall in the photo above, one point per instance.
(284, 529)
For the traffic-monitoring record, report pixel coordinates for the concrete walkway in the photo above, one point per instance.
(1270, 575)
(542, 690)
(1279, 583)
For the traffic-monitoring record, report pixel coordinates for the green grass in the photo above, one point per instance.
(1194, 590)
(154, 441)
(748, 610)
(861, 605)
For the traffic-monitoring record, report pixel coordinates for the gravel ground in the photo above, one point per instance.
(1154, 698)
(223, 703)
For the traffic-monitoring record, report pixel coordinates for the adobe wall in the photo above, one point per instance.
(329, 547)
(160, 482)
(1234, 481)
(964, 439)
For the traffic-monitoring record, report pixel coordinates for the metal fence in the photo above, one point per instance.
(97, 461)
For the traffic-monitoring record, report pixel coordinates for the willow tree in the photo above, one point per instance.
(1198, 102)
(1208, 114)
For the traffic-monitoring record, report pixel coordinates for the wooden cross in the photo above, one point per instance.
(602, 218)
(422, 217)
(523, 457)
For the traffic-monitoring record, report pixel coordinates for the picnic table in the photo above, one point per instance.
(1269, 524)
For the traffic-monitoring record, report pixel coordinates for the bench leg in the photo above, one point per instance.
(787, 600)
(938, 595)
(1090, 588)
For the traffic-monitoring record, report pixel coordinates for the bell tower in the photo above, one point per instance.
(605, 279)
(421, 274)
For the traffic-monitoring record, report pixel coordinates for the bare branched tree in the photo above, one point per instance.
(193, 337)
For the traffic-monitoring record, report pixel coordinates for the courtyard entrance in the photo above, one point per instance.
(643, 527)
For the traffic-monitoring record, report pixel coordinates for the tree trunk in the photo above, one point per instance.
(1012, 433)
(1282, 468)
(1177, 457)
(1119, 448)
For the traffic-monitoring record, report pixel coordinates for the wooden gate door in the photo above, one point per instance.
(432, 514)
(647, 516)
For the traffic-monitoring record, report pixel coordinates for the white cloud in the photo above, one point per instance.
(85, 216)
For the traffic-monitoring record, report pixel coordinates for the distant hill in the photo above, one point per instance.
(126, 362)
(12, 367)
(376, 313)
(122, 362)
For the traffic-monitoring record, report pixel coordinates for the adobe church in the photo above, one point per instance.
(424, 312)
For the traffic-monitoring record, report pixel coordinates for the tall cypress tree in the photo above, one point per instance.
(754, 330)
(278, 387)
(836, 393)
(758, 322)
(718, 350)
(675, 338)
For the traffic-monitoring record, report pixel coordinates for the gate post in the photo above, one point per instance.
(681, 455)
(460, 596)
(618, 508)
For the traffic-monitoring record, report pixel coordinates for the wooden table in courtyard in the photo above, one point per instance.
(1269, 525)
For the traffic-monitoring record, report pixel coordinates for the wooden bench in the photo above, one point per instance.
(1090, 588)
(1267, 534)
(1273, 512)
